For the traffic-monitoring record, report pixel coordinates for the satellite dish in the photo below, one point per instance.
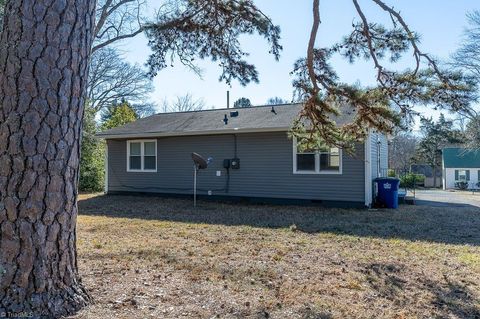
(199, 161)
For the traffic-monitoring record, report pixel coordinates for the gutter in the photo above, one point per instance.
(192, 133)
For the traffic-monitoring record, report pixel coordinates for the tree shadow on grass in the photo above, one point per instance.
(450, 299)
(437, 224)
(454, 299)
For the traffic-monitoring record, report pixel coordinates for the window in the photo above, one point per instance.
(142, 156)
(462, 175)
(310, 161)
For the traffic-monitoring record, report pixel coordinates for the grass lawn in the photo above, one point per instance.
(148, 257)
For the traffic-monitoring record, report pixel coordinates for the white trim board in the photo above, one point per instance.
(368, 170)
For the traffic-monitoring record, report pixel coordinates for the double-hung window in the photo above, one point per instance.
(142, 156)
(317, 161)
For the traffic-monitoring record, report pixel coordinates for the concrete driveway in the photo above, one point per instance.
(441, 198)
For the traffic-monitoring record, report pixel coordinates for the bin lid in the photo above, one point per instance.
(386, 179)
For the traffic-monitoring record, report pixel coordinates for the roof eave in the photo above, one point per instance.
(193, 133)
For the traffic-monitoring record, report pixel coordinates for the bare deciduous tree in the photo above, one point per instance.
(467, 58)
(472, 133)
(276, 101)
(118, 20)
(184, 103)
(401, 151)
(112, 80)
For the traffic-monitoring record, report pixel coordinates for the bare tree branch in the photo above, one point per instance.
(116, 39)
(184, 103)
(112, 80)
(118, 20)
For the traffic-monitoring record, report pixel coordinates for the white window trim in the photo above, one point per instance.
(317, 163)
(142, 155)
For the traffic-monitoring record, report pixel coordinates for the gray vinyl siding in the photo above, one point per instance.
(379, 143)
(266, 169)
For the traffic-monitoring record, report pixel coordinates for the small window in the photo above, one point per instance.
(462, 175)
(324, 161)
(142, 156)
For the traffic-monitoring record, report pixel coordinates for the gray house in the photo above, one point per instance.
(253, 158)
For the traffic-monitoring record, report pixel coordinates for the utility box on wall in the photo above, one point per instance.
(226, 163)
(235, 163)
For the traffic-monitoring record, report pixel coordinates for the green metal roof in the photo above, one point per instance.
(461, 158)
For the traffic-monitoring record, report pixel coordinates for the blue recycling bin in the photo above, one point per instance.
(387, 191)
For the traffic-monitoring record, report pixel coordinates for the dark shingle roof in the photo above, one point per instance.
(250, 119)
(461, 158)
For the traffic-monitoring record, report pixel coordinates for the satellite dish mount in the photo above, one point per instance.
(198, 163)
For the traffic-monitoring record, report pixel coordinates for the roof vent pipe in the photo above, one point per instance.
(228, 99)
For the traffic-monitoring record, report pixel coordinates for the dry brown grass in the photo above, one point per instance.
(147, 257)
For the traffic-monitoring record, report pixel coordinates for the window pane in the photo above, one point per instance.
(149, 162)
(135, 148)
(149, 148)
(329, 162)
(462, 175)
(135, 162)
(305, 162)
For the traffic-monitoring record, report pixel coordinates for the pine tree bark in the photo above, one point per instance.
(44, 52)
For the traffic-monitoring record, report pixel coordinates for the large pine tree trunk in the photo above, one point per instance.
(44, 53)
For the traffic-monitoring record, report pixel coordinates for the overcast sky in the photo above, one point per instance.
(439, 22)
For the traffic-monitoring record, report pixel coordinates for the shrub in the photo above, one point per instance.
(92, 158)
(461, 185)
(410, 180)
(391, 173)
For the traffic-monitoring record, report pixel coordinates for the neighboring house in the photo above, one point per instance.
(460, 165)
(427, 171)
(153, 155)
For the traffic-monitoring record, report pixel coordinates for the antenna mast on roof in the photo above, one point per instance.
(228, 99)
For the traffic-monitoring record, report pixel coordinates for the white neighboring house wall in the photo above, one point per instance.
(449, 177)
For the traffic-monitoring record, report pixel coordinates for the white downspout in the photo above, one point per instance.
(368, 170)
(106, 167)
